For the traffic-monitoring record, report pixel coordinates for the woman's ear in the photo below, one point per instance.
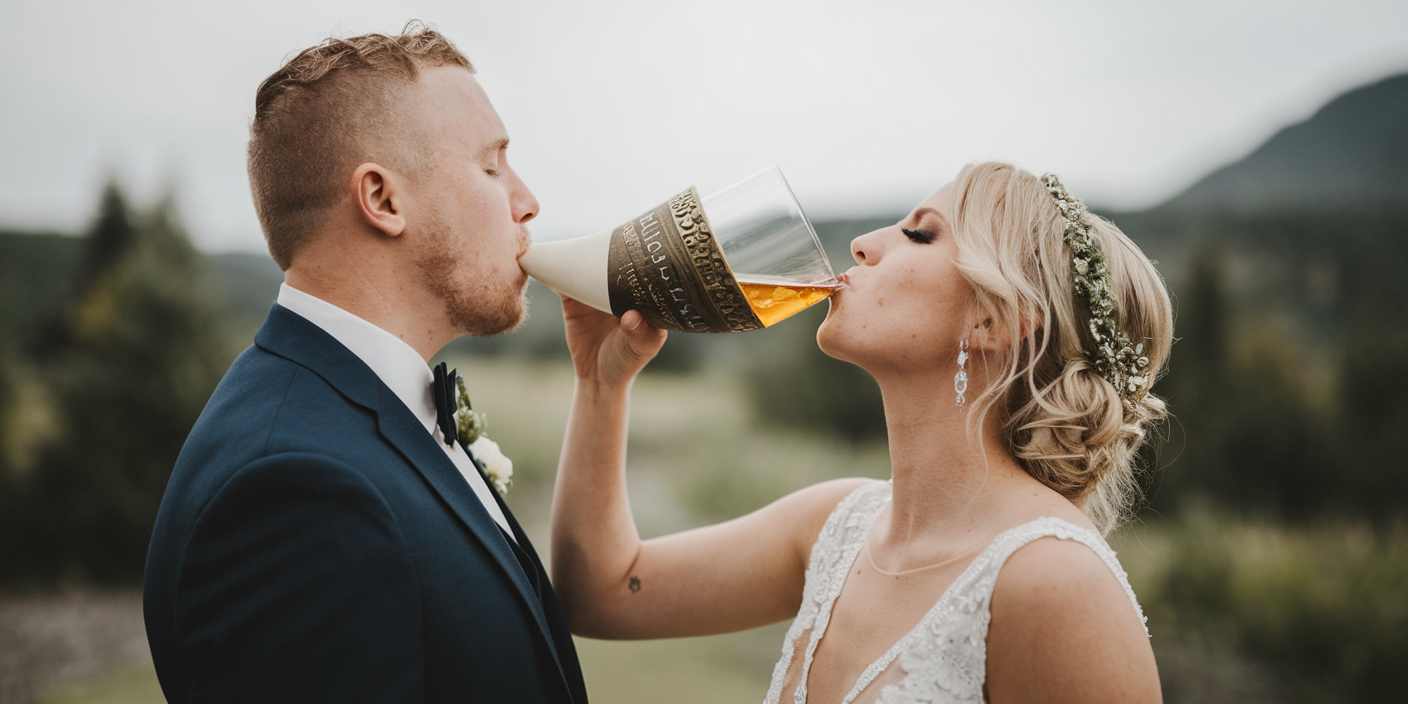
(378, 201)
(988, 335)
(1031, 323)
(993, 335)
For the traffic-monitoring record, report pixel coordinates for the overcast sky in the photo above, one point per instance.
(614, 106)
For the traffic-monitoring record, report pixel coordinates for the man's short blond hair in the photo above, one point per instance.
(328, 110)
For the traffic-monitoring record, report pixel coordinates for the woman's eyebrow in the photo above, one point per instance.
(921, 212)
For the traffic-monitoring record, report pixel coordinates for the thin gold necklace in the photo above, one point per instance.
(871, 560)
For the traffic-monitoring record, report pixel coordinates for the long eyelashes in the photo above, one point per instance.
(919, 236)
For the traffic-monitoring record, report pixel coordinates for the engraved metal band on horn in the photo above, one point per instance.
(667, 264)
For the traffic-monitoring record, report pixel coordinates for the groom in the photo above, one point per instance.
(321, 540)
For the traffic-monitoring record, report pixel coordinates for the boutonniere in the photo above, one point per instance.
(470, 424)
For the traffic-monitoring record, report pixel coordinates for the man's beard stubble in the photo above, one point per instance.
(496, 309)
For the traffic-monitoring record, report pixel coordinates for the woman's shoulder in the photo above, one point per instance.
(1060, 561)
(819, 500)
(1054, 559)
(1050, 541)
(1061, 584)
(852, 495)
(809, 509)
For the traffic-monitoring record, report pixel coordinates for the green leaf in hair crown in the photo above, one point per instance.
(1125, 366)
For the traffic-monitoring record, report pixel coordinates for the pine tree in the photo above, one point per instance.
(138, 350)
(1197, 379)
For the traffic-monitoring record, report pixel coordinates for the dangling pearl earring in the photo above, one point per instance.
(960, 380)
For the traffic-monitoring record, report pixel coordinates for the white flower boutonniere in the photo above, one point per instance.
(470, 425)
(496, 465)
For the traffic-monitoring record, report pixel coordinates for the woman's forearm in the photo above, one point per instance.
(594, 537)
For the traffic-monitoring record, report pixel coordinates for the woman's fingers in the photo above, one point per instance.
(636, 343)
(607, 350)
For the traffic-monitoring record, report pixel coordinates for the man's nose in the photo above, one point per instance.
(522, 204)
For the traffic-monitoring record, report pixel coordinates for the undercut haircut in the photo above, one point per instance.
(328, 110)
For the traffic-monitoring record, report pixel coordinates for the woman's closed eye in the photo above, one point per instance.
(919, 236)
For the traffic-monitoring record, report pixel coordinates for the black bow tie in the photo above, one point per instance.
(447, 394)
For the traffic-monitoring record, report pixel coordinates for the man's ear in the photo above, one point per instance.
(374, 192)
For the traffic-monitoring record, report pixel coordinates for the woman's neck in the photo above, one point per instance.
(946, 477)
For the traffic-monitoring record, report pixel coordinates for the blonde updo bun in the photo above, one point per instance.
(1061, 419)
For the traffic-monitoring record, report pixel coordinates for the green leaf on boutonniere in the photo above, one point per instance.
(468, 422)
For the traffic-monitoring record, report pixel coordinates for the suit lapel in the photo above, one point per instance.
(408, 435)
(516, 529)
(291, 336)
(578, 691)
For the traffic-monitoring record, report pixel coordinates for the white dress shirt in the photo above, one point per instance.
(403, 371)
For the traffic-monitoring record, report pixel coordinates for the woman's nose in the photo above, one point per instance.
(865, 249)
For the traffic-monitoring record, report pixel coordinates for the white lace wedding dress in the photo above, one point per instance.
(944, 658)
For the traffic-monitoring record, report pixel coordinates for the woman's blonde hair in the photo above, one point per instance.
(1065, 424)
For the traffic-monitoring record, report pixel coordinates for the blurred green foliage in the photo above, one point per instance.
(1286, 383)
(117, 373)
(1320, 607)
(793, 384)
(35, 270)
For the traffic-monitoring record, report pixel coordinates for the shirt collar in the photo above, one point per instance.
(396, 363)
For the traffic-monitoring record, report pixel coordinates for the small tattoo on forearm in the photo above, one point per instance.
(635, 584)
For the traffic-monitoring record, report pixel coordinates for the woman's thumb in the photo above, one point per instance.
(634, 325)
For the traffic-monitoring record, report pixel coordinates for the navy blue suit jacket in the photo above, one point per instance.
(315, 544)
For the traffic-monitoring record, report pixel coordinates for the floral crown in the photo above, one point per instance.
(1124, 366)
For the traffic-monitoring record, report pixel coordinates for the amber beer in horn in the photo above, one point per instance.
(741, 259)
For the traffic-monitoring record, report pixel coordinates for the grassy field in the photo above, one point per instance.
(684, 671)
(136, 685)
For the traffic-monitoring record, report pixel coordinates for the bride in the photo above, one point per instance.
(1014, 338)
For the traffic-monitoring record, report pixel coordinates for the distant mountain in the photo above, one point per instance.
(37, 270)
(1351, 155)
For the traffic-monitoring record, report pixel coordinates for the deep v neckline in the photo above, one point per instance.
(882, 663)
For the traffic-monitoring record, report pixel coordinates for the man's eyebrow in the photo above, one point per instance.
(494, 148)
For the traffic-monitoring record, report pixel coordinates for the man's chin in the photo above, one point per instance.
(479, 323)
(520, 313)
